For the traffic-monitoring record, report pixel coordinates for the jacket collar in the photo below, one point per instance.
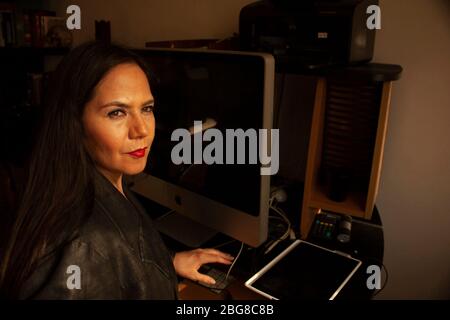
(124, 213)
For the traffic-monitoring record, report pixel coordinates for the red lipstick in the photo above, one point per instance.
(139, 153)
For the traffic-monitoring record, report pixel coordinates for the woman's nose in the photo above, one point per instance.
(138, 127)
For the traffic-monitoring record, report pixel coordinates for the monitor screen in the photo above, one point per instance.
(218, 182)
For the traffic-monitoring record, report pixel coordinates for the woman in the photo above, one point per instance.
(80, 233)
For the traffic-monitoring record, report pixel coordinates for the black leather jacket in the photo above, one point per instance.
(119, 253)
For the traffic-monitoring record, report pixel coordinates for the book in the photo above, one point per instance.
(33, 20)
(7, 28)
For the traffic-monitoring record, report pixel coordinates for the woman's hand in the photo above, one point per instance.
(187, 263)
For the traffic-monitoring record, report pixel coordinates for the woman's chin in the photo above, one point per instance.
(135, 169)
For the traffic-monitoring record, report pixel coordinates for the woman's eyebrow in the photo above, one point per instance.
(124, 105)
(151, 101)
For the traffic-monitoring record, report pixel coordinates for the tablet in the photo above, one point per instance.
(304, 271)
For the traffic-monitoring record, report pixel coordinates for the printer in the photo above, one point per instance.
(308, 33)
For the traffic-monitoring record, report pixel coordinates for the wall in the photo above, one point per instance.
(415, 185)
(135, 22)
(414, 196)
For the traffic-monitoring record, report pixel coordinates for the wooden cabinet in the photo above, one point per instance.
(347, 139)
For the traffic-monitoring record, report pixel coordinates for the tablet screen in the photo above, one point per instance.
(306, 271)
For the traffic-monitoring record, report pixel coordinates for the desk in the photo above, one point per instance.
(367, 244)
(189, 290)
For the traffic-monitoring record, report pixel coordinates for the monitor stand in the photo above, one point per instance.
(184, 230)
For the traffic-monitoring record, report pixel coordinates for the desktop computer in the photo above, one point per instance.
(222, 91)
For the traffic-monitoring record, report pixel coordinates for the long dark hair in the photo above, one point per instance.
(59, 192)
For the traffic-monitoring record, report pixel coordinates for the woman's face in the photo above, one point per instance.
(118, 120)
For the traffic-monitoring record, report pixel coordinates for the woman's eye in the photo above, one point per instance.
(115, 113)
(148, 108)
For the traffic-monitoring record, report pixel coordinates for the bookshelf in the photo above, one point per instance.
(28, 24)
(23, 79)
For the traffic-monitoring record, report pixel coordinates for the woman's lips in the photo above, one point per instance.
(137, 153)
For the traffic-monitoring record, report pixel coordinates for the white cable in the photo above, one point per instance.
(271, 201)
(288, 229)
(234, 261)
(165, 214)
(283, 215)
(224, 244)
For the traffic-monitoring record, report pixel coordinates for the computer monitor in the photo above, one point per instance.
(227, 91)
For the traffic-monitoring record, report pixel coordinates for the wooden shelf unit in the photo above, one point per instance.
(357, 203)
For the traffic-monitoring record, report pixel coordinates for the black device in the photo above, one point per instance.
(345, 229)
(330, 226)
(308, 34)
(325, 226)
